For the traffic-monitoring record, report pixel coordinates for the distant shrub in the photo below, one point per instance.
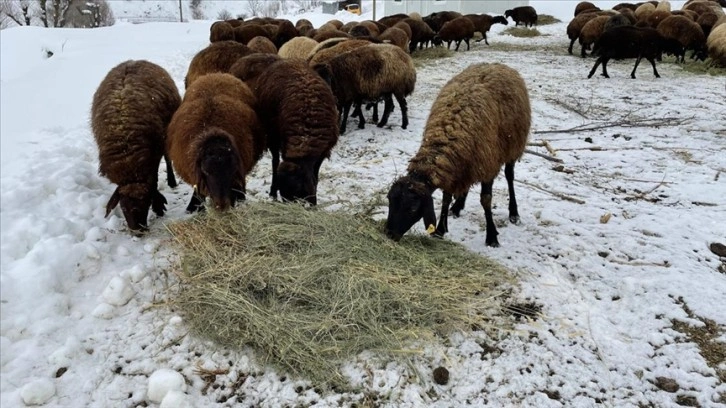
(196, 7)
(224, 15)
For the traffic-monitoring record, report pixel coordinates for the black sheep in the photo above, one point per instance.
(526, 15)
(628, 42)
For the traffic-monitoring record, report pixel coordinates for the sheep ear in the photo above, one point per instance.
(324, 71)
(429, 216)
(112, 202)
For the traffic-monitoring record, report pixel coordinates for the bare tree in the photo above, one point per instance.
(197, 12)
(53, 13)
(306, 5)
(270, 9)
(224, 14)
(17, 12)
(255, 7)
(91, 14)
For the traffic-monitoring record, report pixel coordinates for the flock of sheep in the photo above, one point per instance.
(266, 84)
(649, 30)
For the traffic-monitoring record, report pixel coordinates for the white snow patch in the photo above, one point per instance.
(162, 381)
(38, 391)
(118, 292)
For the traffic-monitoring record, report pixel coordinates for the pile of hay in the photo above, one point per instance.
(522, 32)
(425, 56)
(309, 289)
(545, 19)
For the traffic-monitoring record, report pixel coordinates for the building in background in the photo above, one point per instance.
(426, 7)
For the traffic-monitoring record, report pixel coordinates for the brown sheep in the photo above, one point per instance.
(285, 32)
(130, 113)
(664, 5)
(688, 13)
(698, 7)
(584, 6)
(360, 31)
(401, 25)
(298, 47)
(215, 139)
(656, 17)
(591, 32)
(248, 69)
(328, 27)
(347, 26)
(331, 49)
(459, 29)
(484, 22)
(436, 20)
(574, 27)
(217, 57)
(244, 33)
(688, 33)
(262, 45)
(621, 6)
(395, 36)
(221, 31)
(297, 109)
(479, 121)
(421, 34)
(374, 28)
(234, 22)
(307, 30)
(391, 20)
(630, 14)
(716, 43)
(302, 22)
(526, 15)
(642, 12)
(328, 34)
(388, 71)
(616, 21)
(706, 21)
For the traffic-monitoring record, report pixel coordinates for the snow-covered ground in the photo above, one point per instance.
(83, 321)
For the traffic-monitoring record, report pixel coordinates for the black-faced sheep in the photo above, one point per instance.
(298, 47)
(217, 57)
(479, 121)
(688, 33)
(526, 15)
(262, 45)
(131, 110)
(484, 22)
(388, 71)
(584, 6)
(591, 32)
(297, 109)
(221, 31)
(215, 139)
(421, 34)
(459, 29)
(716, 44)
(628, 42)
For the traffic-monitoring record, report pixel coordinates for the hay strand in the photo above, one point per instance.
(309, 289)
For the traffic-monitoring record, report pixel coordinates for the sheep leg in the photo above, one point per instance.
(594, 68)
(569, 49)
(374, 105)
(637, 61)
(404, 109)
(458, 43)
(582, 51)
(387, 109)
(361, 118)
(458, 205)
(466, 40)
(485, 39)
(509, 174)
(486, 202)
(158, 203)
(275, 162)
(605, 68)
(655, 71)
(170, 178)
(443, 226)
(196, 204)
(448, 45)
(346, 111)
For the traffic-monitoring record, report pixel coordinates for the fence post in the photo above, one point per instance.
(181, 17)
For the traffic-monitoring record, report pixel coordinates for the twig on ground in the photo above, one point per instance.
(554, 193)
(704, 204)
(718, 173)
(544, 156)
(643, 195)
(549, 148)
(622, 122)
(567, 106)
(664, 264)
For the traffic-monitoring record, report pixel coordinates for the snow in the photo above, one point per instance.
(84, 321)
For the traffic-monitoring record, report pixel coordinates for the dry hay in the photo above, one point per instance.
(703, 67)
(545, 19)
(427, 55)
(310, 289)
(522, 32)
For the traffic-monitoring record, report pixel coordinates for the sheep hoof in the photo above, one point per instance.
(492, 243)
(514, 219)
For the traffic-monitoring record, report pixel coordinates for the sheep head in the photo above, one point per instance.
(500, 20)
(297, 181)
(508, 13)
(218, 170)
(135, 200)
(409, 200)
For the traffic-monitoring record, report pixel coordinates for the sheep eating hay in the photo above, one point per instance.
(479, 121)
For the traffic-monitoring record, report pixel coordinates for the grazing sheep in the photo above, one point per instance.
(217, 57)
(421, 34)
(459, 29)
(616, 21)
(484, 22)
(655, 18)
(395, 36)
(621, 6)
(262, 45)
(332, 48)
(244, 33)
(328, 34)
(479, 121)
(717, 45)
(248, 69)
(437, 20)
(391, 20)
(584, 6)
(221, 31)
(628, 42)
(298, 111)
(215, 139)
(574, 27)
(664, 5)
(688, 34)
(388, 71)
(642, 12)
(526, 15)
(707, 21)
(298, 47)
(591, 32)
(131, 110)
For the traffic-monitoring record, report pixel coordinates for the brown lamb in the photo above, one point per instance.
(421, 35)
(221, 31)
(131, 110)
(217, 57)
(215, 139)
(483, 23)
(456, 30)
(248, 69)
(584, 6)
(479, 121)
(395, 36)
(591, 32)
(297, 109)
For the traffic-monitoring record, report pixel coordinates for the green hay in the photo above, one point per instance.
(545, 19)
(703, 67)
(310, 289)
(522, 32)
(428, 55)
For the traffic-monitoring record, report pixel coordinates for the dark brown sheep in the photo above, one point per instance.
(436, 20)
(221, 31)
(360, 31)
(422, 34)
(628, 42)
(630, 14)
(307, 31)
(302, 22)
(388, 71)
(585, 6)
(395, 36)
(248, 69)
(284, 33)
(526, 15)
(706, 21)
(405, 27)
(130, 113)
(328, 34)
(479, 121)
(688, 13)
(458, 30)
(297, 109)
(217, 57)
(215, 139)
(234, 22)
(391, 20)
(244, 33)
(629, 6)
(591, 32)
(688, 33)
(616, 21)
(484, 22)
(262, 45)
